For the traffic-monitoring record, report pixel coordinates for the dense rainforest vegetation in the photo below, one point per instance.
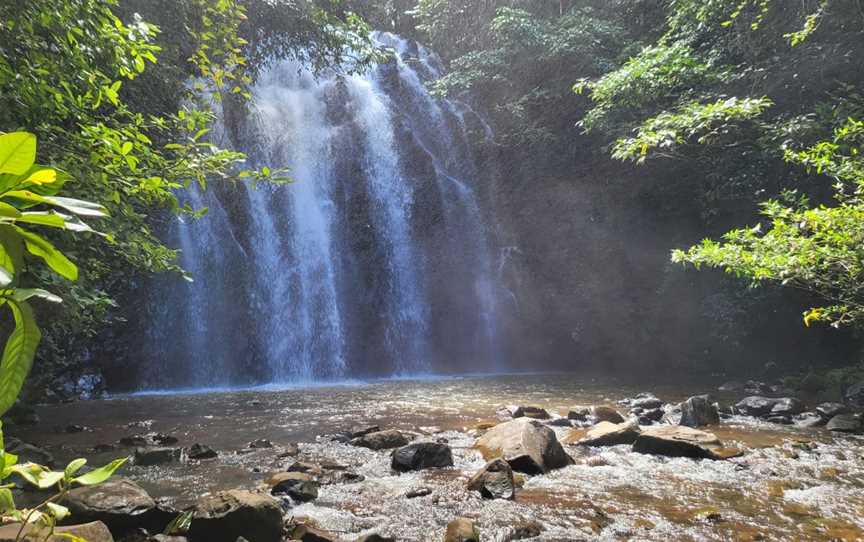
(739, 121)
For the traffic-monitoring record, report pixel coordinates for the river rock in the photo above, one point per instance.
(699, 411)
(650, 416)
(228, 515)
(829, 410)
(787, 406)
(606, 414)
(676, 441)
(148, 439)
(375, 537)
(845, 423)
(461, 530)
(522, 531)
(421, 455)
(362, 430)
(95, 531)
(808, 419)
(418, 492)
(299, 486)
(147, 457)
(28, 453)
(534, 412)
(610, 434)
(559, 422)
(579, 413)
(260, 444)
(755, 405)
(308, 533)
(118, 502)
(201, 451)
(646, 401)
(755, 387)
(494, 481)
(527, 445)
(381, 440)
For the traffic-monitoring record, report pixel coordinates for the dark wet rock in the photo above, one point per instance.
(699, 411)
(528, 445)
(494, 481)
(854, 395)
(754, 387)
(95, 531)
(327, 464)
(780, 420)
(119, 503)
(534, 412)
(560, 422)
(351, 477)
(375, 537)
(382, 440)
(755, 405)
(362, 430)
(808, 419)
(579, 413)
(650, 416)
(299, 486)
(606, 414)
(306, 467)
(75, 428)
(787, 406)
(147, 457)
(418, 492)
(461, 530)
(21, 414)
(102, 448)
(421, 455)
(259, 444)
(28, 453)
(149, 439)
(201, 451)
(845, 423)
(676, 441)
(829, 410)
(289, 450)
(610, 434)
(228, 515)
(529, 529)
(308, 533)
(646, 401)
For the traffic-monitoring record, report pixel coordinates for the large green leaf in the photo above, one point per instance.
(77, 206)
(43, 218)
(11, 253)
(97, 476)
(18, 353)
(8, 211)
(23, 294)
(7, 503)
(17, 152)
(39, 246)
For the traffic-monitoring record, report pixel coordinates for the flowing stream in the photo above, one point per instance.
(377, 260)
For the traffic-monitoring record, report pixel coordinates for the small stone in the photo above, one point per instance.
(148, 457)
(289, 450)
(259, 444)
(201, 451)
(579, 413)
(461, 530)
(494, 481)
(308, 533)
(362, 430)
(306, 467)
(381, 440)
(418, 492)
(647, 401)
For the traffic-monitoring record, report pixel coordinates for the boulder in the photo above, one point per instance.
(421, 455)
(606, 414)
(527, 445)
(646, 401)
(650, 416)
(381, 440)
(787, 406)
(461, 530)
(676, 441)
(534, 412)
(118, 503)
(494, 481)
(829, 410)
(808, 419)
(845, 423)
(362, 430)
(559, 422)
(755, 405)
(299, 486)
(201, 451)
(95, 531)
(699, 411)
(579, 413)
(610, 434)
(228, 515)
(147, 457)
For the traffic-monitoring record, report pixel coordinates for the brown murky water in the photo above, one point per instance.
(790, 484)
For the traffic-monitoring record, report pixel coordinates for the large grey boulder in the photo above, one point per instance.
(494, 481)
(527, 445)
(609, 434)
(845, 423)
(676, 441)
(381, 440)
(421, 455)
(119, 503)
(699, 411)
(228, 515)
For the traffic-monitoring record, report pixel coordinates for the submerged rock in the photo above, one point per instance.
(299, 486)
(494, 481)
(699, 411)
(382, 440)
(527, 445)
(534, 412)
(676, 441)
(228, 515)
(119, 503)
(461, 530)
(610, 434)
(606, 414)
(421, 455)
(418, 492)
(147, 457)
(845, 423)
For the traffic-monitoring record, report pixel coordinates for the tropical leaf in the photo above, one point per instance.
(17, 152)
(7, 502)
(74, 466)
(18, 354)
(97, 476)
(77, 206)
(23, 294)
(39, 246)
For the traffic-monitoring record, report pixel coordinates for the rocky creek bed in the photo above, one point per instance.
(405, 460)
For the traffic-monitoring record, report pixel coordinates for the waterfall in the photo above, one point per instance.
(376, 260)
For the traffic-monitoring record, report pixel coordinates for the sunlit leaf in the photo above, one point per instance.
(18, 354)
(97, 476)
(17, 152)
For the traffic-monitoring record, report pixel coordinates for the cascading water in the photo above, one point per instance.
(375, 261)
